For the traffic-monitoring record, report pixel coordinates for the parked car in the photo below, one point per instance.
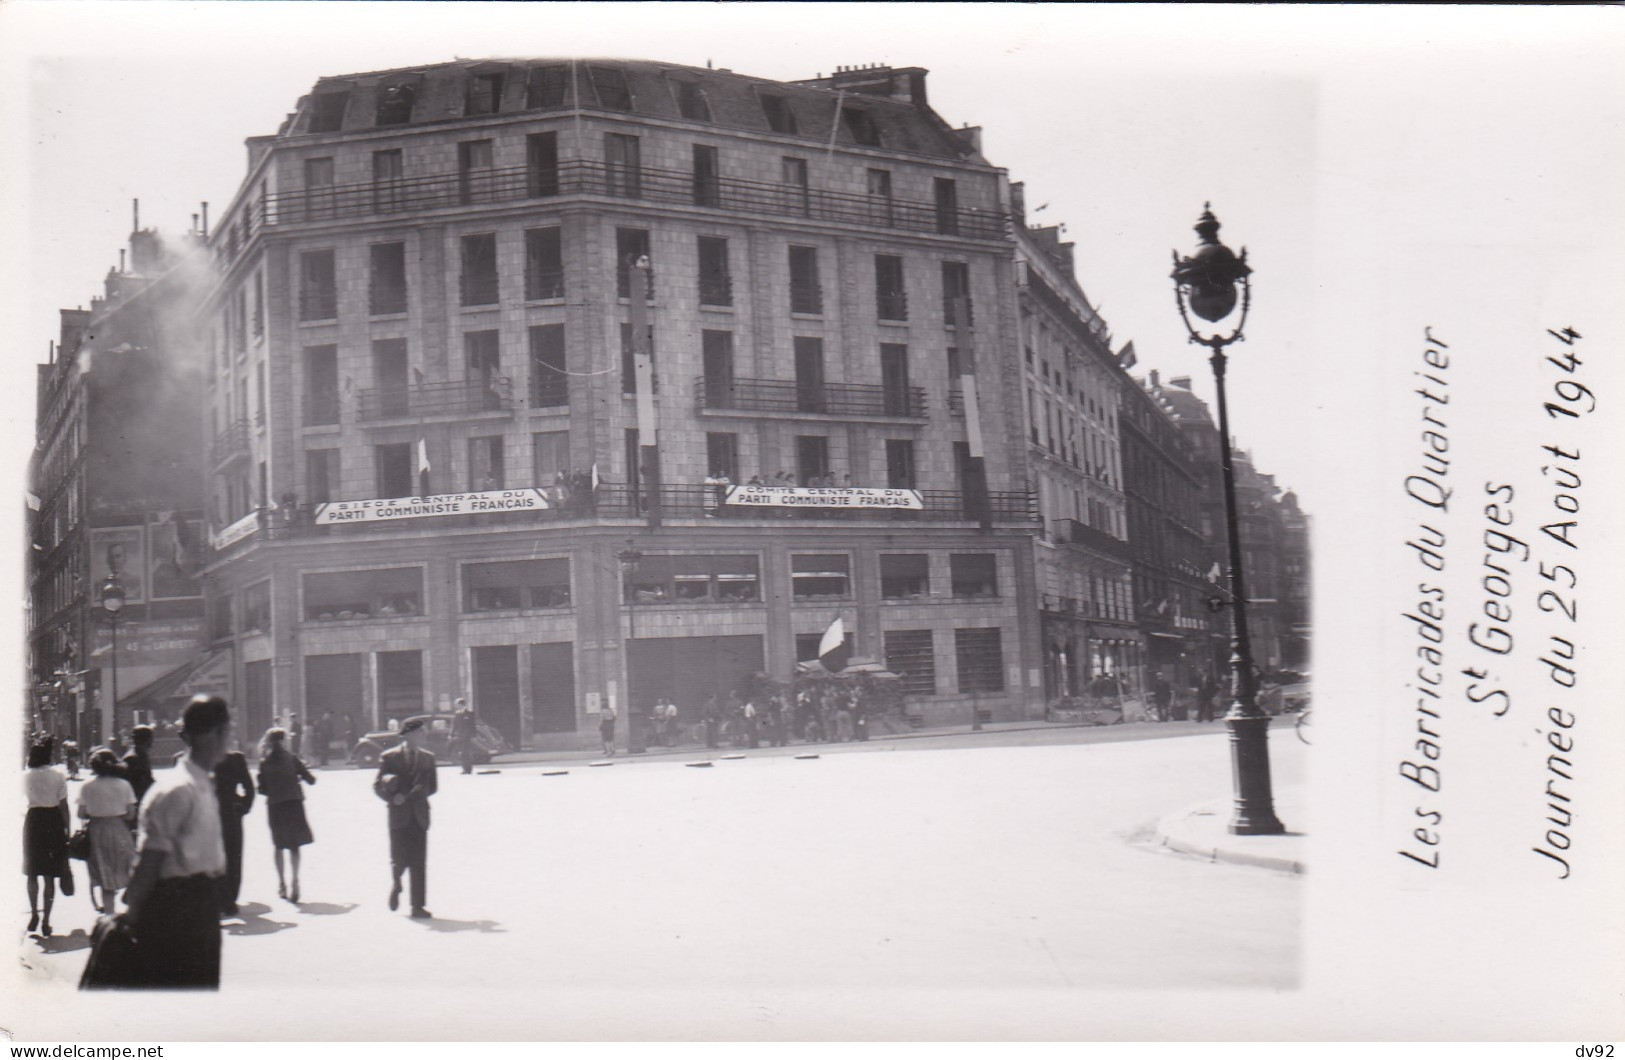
(488, 743)
(1284, 692)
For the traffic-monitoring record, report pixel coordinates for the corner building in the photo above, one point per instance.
(426, 374)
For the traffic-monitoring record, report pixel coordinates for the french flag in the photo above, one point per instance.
(832, 651)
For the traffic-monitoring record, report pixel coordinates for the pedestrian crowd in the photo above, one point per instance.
(171, 841)
(814, 712)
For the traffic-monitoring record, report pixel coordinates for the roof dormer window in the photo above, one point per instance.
(610, 85)
(861, 124)
(484, 94)
(327, 111)
(546, 87)
(395, 104)
(691, 102)
(780, 118)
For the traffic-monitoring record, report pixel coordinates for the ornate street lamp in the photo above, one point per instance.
(1206, 283)
(113, 603)
(630, 557)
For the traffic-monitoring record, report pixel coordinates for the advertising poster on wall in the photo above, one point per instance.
(174, 556)
(120, 550)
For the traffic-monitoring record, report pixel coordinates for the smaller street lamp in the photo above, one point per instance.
(630, 557)
(113, 596)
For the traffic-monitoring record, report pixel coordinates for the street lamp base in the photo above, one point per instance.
(1250, 764)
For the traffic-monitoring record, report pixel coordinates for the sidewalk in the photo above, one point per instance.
(1204, 830)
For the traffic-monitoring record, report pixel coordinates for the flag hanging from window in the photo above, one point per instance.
(595, 476)
(423, 467)
(832, 650)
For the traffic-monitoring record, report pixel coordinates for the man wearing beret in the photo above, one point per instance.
(406, 779)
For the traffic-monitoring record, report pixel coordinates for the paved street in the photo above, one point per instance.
(985, 868)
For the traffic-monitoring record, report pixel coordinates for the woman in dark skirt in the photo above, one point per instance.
(280, 775)
(45, 832)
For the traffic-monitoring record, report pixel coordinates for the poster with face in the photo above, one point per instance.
(173, 556)
(119, 550)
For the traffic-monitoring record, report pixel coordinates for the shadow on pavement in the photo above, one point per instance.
(324, 908)
(254, 922)
(76, 940)
(442, 924)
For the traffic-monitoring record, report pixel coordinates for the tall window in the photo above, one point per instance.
(546, 87)
(809, 354)
(388, 289)
(630, 245)
(623, 166)
(479, 277)
(318, 188)
(320, 386)
(388, 189)
(722, 454)
(718, 353)
(956, 285)
(321, 475)
(947, 202)
(485, 464)
(544, 263)
(484, 94)
(891, 297)
(881, 207)
(806, 292)
(256, 290)
(780, 118)
(393, 464)
(797, 191)
(542, 164)
(390, 373)
(909, 655)
(895, 390)
(979, 655)
(318, 286)
(551, 452)
(812, 459)
(716, 283)
(549, 379)
(900, 473)
(707, 179)
(475, 171)
(691, 101)
(483, 352)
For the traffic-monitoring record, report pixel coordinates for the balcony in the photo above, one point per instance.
(787, 397)
(230, 443)
(458, 398)
(616, 501)
(1072, 532)
(583, 177)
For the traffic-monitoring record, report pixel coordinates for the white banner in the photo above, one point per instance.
(367, 511)
(824, 497)
(236, 531)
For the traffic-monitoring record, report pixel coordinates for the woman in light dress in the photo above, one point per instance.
(108, 804)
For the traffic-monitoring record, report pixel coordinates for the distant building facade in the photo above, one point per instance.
(117, 478)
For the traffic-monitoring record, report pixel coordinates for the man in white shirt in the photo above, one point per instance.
(173, 899)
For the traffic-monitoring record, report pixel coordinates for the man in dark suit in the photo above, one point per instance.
(234, 787)
(138, 761)
(406, 779)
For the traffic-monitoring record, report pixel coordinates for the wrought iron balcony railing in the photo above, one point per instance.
(1070, 531)
(790, 396)
(231, 442)
(460, 397)
(581, 176)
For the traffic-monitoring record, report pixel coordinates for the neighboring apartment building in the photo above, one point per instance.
(117, 478)
(1163, 483)
(1071, 383)
(1274, 537)
(450, 456)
